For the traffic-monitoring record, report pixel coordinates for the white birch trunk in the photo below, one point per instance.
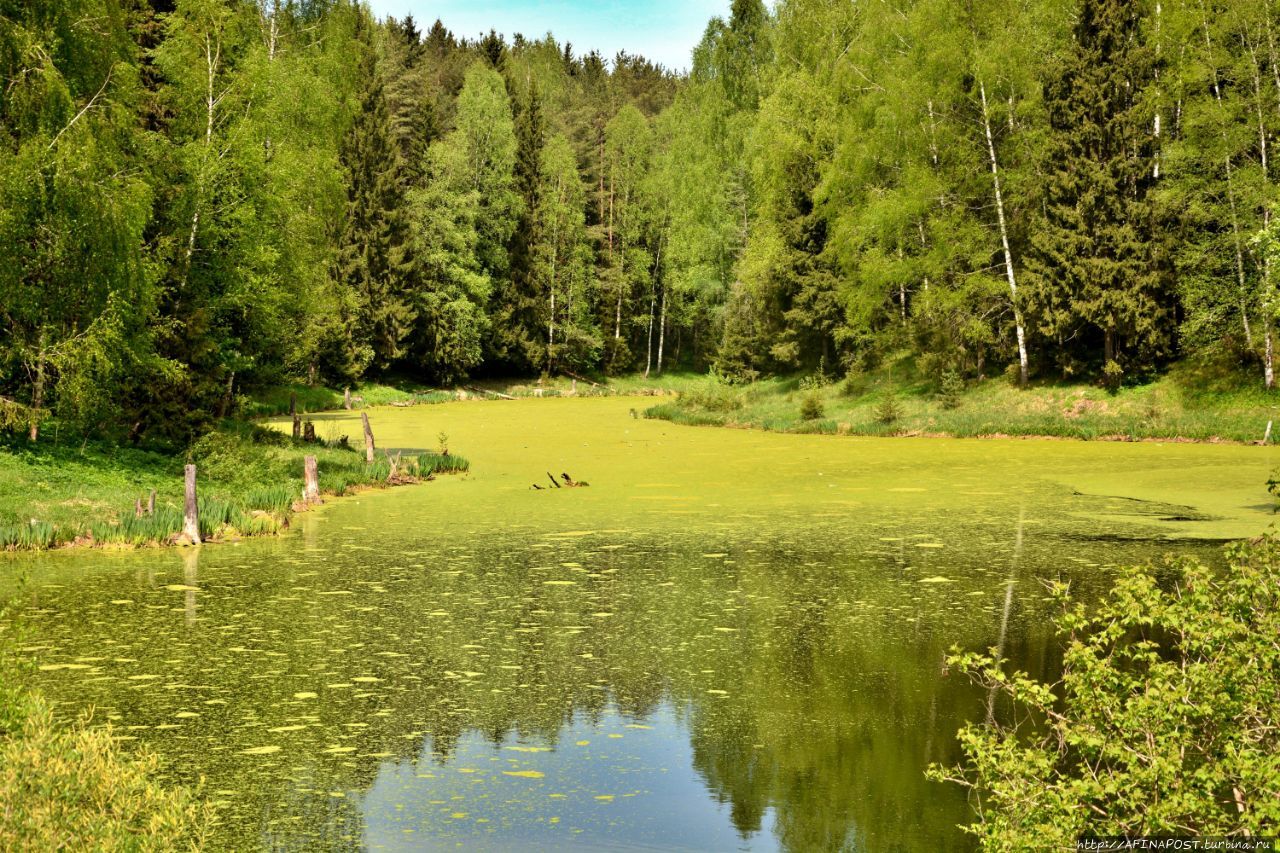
(662, 327)
(1023, 366)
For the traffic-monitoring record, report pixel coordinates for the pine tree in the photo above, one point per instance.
(373, 258)
(1097, 267)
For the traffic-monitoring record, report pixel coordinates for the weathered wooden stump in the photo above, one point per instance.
(346, 399)
(151, 503)
(368, 438)
(309, 432)
(191, 510)
(293, 413)
(311, 492)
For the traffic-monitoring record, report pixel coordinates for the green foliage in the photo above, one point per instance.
(296, 193)
(950, 389)
(1162, 723)
(811, 407)
(888, 411)
(1098, 263)
(374, 259)
(249, 479)
(75, 786)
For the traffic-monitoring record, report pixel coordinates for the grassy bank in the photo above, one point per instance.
(1189, 403)
(273, 402)
(249, 480)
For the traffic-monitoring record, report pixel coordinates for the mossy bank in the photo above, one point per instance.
(250, 482)
(1183, 405)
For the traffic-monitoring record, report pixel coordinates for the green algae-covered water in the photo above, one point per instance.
(732, 640)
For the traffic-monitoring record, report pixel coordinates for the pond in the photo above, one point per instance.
(731, 640)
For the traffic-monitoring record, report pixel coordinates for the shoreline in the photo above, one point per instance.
(283, 525)
(250, 484)
(1113, 438)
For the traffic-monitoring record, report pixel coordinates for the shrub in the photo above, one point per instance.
(888, 410)
(950, 389)
(1112, 375)
(811, 406)
(1166, 719)
(72, 788)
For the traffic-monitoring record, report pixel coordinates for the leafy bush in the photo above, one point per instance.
(716, 396)
(1166, 719)
(811, 406)
(72, 788)
(888, 410)
(950, 389)
(1113, 375)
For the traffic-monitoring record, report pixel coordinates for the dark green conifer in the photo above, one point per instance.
(515, 309)
(373, 258)
(1099, 284)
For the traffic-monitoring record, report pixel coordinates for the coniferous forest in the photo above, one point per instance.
(203, 197)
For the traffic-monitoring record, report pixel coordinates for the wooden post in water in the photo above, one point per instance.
(293, 413)
(191, 513)
(151, 503)
(346, 399)
(311, 493)
(368, 438)
(1266, 439)
(137, 508)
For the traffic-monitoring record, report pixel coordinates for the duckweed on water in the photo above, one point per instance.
(770, 660)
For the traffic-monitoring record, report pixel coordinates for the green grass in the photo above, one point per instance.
(249, 478)
(273, 402)
(1195, 402)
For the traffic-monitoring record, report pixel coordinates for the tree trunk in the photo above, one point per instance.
(1155, 168)
(1231, 196)
(662, 328)
(551, 314)
(648, 355)
(1023, 367)
(368, 437)
(191, 508)
(213, 60)
(1268, 367)
(37, 391)
(293, 414)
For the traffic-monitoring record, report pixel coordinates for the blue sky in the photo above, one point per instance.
(664, 31)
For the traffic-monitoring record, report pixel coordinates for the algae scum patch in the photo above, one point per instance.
(731, 640)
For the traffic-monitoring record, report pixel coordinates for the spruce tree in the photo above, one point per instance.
(516, 327)
(1098, 271)
(373, 258)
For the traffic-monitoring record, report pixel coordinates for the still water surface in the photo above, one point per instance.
(731, 641)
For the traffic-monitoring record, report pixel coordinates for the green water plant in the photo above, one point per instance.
(1165, 720)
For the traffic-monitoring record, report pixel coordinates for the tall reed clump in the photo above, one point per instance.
(72, 787)
(32, 536)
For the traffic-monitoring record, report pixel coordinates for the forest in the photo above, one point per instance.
(200, 198)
